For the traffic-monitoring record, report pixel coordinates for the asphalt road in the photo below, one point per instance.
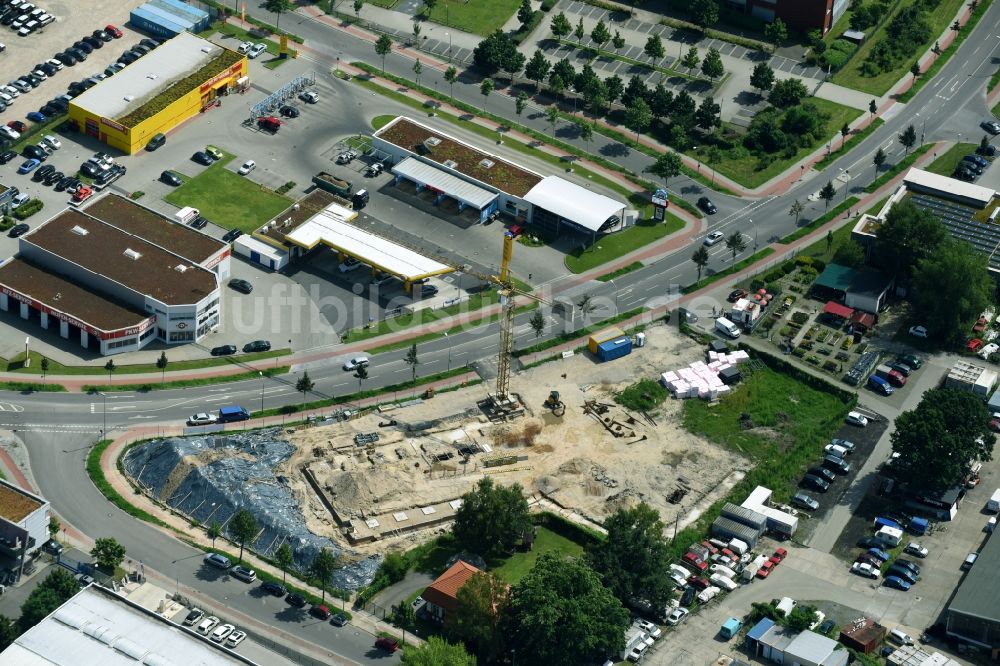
(59, 428)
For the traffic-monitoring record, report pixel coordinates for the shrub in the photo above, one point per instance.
(800, 317)
(138, 194)
(787, 267)
(522, 32)
(819, 265)
(28, 208)
(643, 395)
(286, 187)
(547, 5)
(834, 60)
(773, 275)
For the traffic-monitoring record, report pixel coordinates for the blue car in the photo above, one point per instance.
(880, 554)
(37, 117)
(897, 582)
(28, 166)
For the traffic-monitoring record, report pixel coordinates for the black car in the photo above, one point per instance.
(338, 620)
(128, 58)
(296, 599)
(101, 35)
(141, 49)
(64, 183)
(257, 346)
(991, 126)
(687, 599)
(59, 103)
(909, 565)
(73, 184)
(79, 54)
(48, 68)
(36, 152)
(901, 368)
(111, 175)
(289, 111)
(823, 473)
(18, 230)
(988, 150)
(90, 170)
(49, 111)
(232, 235)
(33, 80)
(170, 178)
(428, 290)
(837, 464)
(66, 58)
(224, 350)
(241, 286)
(54, 177)
(707, 206)
(815, 483)
(273, 588)
(84, 46)
(93, 42)
(199, 222)
(52, 547)
(902, 572)
(149, 43)
(157, 141)
(7, 156)
(202, 157)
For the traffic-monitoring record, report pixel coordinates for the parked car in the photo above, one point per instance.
(217, 561)
(903, 573)
(256, 50)
(274, 588)
(194, 616)
(322, 612)
(356, 362)
(970, 559)
(864, 569)
(765, 569)
(7, 156)
(28, 166)
(991, 126)
(113, 31)
(244, 48)
(171, 178)
(53, 547)
(295, 599)
(897, 583)
(220, 633)
(918, 331)
(207, 625)
(989, 150)
(256, 346)
(805, 501)
(914, 548)
(677, 616)
(814, 482)
(706, 205)
(837, 464)
(878, 554)
(338, 620)
(157, 141)
(231, 235)
(247, 167)
(736, 295)
(915, 568)
(309, 97)
(242, 286)
(847, 445)
(869, 542)
(856, 419)
(823, 473)
(235, 638)
(202, 418)
(387, 644)
(202, 158)
(289, 111)
(224, 350)
(246, 574)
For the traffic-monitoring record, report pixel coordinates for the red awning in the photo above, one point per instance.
(837, 310)
(865, 319)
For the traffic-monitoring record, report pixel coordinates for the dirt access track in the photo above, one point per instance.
(400, 489)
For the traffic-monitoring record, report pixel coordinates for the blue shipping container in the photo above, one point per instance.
(612, 349)
(155, 23)
(197, 17)
(918, 525)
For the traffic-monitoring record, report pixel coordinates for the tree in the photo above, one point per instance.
(481, 604)
(615, 87)
(579, 32)
(429, 6)
(776, 32)
(561, 615)
(707, 117)
(560, 26)
(735, 243)
(537, 68)
(844, 132)
(450, 76)
(110, 367)
(827, 193)
(58, 587)
(497, 52)
(45, 361)
(984, 143)
(416, 32)
(637, 117)
(595, 94)
(557, 85)
(915, 70)
(8, 632)
(872, 107)
(411, 360)
(667, 165)
(161, 363)
(600, 34)
(436, 651)
(908, 138)
(635, 90)
(492, 517)
(796, 210)
(284, 557)
(586, 133)
(383, 46)
(711, 66)
(395, 567)
(700, 259)
(108, 554)
(801, 618)
(618, 42)
(704, 12)
(525, 12)
(787, 92)
(879, 159)
(54, 527)
(321, 568)
(631, 561)
(358, 4)
(691, 59)
(537, 322)
(552, 115)
(485, 88)
(952, 287)
(849, 253)
(565, 70)
(277, 7)
(418, 69)
(660, 101)
(937, 441)
(304, 384)
(520, 102)
(243, 527)
(907, 235)
(214, 531)
(762, 78)
(654, 49)
(513, 65)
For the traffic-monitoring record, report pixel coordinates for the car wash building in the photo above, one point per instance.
(181, 78)
(110, 290)
(455, 171)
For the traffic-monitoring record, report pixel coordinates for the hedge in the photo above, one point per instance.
(547, 5)
(28, 208)
(526, 28)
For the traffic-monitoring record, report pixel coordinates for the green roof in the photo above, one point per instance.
(862, 281)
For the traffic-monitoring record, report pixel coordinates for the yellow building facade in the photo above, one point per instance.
(180, 79)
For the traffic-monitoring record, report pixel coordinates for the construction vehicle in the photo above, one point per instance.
(553, 403)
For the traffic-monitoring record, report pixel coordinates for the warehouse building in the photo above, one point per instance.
(973, 616)
(460, 177)
(24, 525)
(112, 290)
(167, 18)
(176, 81)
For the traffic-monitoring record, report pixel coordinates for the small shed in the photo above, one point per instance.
(756, 633)
(857, 288)
(863, 635)
(856, 36)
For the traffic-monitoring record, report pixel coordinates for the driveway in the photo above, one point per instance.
(414, 581)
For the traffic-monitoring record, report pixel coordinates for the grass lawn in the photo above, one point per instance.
(274, 48)
(945, 165)
(16, 364)
(743, 169)
(619, 244)
(546, 542)
(791, 422)
(850, 75)
(228, 199)
(378, 122)
(480, 17)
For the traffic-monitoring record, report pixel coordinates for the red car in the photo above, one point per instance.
(780, 553)
(387, 644)
(698, 582)
(17, 126)
(730, 554)
(712, 550)
(82, 194)
(516, 230)
(694, 561)
(113, 31)
(269, 123)
(765, 569)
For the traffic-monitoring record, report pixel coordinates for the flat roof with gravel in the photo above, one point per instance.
(126, 259)
(138, 220)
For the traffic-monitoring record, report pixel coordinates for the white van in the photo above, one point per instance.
(993, 505)
(186, 214)
(900, 637)
(727, 328)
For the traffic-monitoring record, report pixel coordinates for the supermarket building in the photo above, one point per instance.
(174, 82)
(92, 274)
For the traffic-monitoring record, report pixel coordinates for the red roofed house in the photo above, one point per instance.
(441, 595)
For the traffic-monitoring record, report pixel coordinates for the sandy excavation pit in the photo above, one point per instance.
(402, 488)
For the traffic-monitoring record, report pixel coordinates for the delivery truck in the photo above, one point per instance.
(993, 505)
(330, 183)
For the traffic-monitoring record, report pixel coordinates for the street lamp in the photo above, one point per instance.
(104, 414)
(754, 235)
(449, 351)
(615, 287)
(261, 395)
